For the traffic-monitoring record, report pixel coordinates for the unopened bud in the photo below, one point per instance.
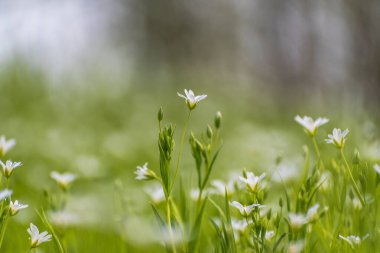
(218, 119)
(209, 132)
(160, 114)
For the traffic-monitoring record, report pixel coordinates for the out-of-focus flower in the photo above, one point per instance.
(9, 167)
(352, 240)
(356, 204)
(143, 173)
(191, 100)
(238, 227)
(15, 207)
(312, 213)
(219, 187)
(310, 125)
(5, 194)
(296, 247)
(63, 180)
(253, 182)
(36, 238)
(296, 221)
(338, 138)
(269, 235)
(156, 194)
(245, 210)
(5, 145)
(326, 181)
(376, 167)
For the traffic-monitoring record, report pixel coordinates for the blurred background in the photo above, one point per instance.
(81, 82)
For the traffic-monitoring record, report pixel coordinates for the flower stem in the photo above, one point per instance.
(168, 217)
(180, 150)
(316, 148)
(356, 188)
(3, 227)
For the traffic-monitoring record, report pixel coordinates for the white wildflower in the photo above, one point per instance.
(36, 238)
(5, 145)
(245, 210)
(296, 221)
(9, 167)
(269, 235)
(376, 167)
(219, 187)
(253, 182)
(191, 99)
(310, 125)
(312, 213)
(356, 204)
(15, 207)
(338, 138)
(143, 173)
(156, 194)
(63, 180)
(352, 240)
(296, 247)
(5, 194)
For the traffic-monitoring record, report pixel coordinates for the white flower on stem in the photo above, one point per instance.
(376, 167)
(310, 125)
(219, 187)
(245, 210)
(63, 180)
(5, 194)
(269, 235)
(338, 138)
(143, 173)
(312, 213)
(36, 238)
(296, 247)
(253, 182)
(238, 227)
(352, 240)
(191, 99)
(15, 207)
(9, 167)
(297, 221)
(156, 194)
(5, 145)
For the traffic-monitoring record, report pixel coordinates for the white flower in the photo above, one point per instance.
(245, 210)
(312, 213)
(15, 207)
(238, 227)
(325, 181)
(156, 194)
(143, 173)
(219, 187)
(63, 180)
(376, 167)
(5, 145)
(352, 240)
(338, 138)
(191, 99)
(64, 219)
(253, 182)
(5, 194)
(296, 221)
(269, 235)
(36, 238)
(296, 247)
(310, 125)
(8, 167)
(356, 204)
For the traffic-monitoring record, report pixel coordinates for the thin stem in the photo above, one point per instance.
(3, 228)
(316, 148)
(180, 150)
(168, 217)
(356, 188)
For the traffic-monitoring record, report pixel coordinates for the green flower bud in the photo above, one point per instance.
(218, 119)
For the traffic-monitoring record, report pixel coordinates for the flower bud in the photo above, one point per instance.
(209, 132)
(218, 119)
(160, 114)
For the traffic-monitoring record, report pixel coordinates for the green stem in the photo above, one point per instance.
(356, 188)
(180, 151)
(3, 228)
(316, 148)
(168, 217)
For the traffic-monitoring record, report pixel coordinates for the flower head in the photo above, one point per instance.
(63, 180)
(191, 100)
(5, 194)
(245, 210)
(352, 240)
(219, 187)
(36, 238)
(8, 167)
(376, 167)
(310, 125)
(15, 207)
(312, 213)
(143, 173)
(156, 194)
(338, 138)
(5, 145)
(253, 182)
(296, 221)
